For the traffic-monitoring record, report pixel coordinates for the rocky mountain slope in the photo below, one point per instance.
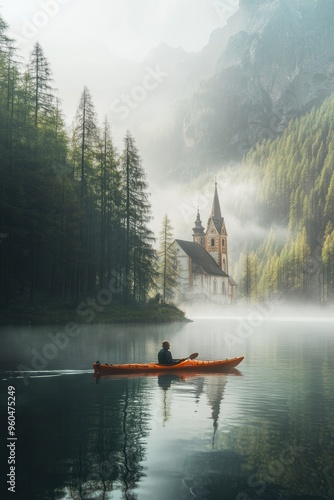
(278, 63)
(194, 112)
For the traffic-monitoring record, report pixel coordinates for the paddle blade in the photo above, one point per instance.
(193, 355)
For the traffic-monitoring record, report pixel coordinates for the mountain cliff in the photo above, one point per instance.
(272, 61)
(276, 62)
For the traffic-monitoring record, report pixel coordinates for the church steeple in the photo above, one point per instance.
(216, 215)
(216, 235)
(198, 231)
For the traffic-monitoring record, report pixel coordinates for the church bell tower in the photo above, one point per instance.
(216, 235)
(198, 231)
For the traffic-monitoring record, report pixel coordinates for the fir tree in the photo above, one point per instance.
(39, 77)
(168, 272)
(138, 238)
(84, 142)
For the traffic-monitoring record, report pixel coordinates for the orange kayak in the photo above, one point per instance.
(187, 364)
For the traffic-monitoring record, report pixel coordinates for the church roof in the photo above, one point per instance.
(232, 282)
(201, 258)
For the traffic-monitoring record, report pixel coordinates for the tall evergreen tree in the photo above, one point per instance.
(84, 157)
(109, 205)
(42, 92)
(328, 263)
(168, 272)
(138, 237)
(84, 142)
(250, 276)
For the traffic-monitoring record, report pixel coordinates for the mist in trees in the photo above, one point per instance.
(74, 213)
(167, 259)
(138, 256)
(295, 178)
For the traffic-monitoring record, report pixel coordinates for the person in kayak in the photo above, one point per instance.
(165, 356)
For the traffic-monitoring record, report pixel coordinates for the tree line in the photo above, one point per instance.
(74, 213)
(294, 174)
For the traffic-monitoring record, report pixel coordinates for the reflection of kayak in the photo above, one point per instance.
(193, 365)
(181, 376)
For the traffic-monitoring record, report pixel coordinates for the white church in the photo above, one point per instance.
(203, 262)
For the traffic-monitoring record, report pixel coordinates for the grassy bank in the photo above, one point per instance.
(57, 312)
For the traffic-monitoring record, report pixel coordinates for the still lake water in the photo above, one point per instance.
(265, 431)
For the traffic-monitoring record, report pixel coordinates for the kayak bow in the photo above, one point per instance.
(187, 364)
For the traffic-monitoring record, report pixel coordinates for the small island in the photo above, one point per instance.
(57, 312)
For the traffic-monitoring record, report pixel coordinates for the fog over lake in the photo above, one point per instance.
(265, 429)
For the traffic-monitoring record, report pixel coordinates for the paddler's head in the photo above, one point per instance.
(166, 344)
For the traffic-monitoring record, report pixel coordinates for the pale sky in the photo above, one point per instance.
(84, 39)
(128, 27)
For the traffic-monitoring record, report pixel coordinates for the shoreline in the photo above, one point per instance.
(61, 314)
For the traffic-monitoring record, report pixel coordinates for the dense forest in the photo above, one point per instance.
(294, 174)
(74, 213)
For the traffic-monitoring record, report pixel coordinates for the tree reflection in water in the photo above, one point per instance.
(199, 385)
(126, 438)
(124, 422)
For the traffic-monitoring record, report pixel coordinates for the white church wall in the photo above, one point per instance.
(201, 286)
(183, 271)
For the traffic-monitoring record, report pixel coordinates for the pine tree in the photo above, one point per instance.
(138, 238)
(249, 280)
(84, 143)
(109, 205)
(168, 272)
(42, 92)
(329, 201)
(328, 262)
(84, 157)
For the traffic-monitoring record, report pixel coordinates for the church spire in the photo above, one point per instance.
(215, 212)
(216, 215)
(216, 235)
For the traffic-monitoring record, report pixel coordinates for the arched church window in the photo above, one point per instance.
(224, 264)
(214, 286)
(212, 242)
(223, 288)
